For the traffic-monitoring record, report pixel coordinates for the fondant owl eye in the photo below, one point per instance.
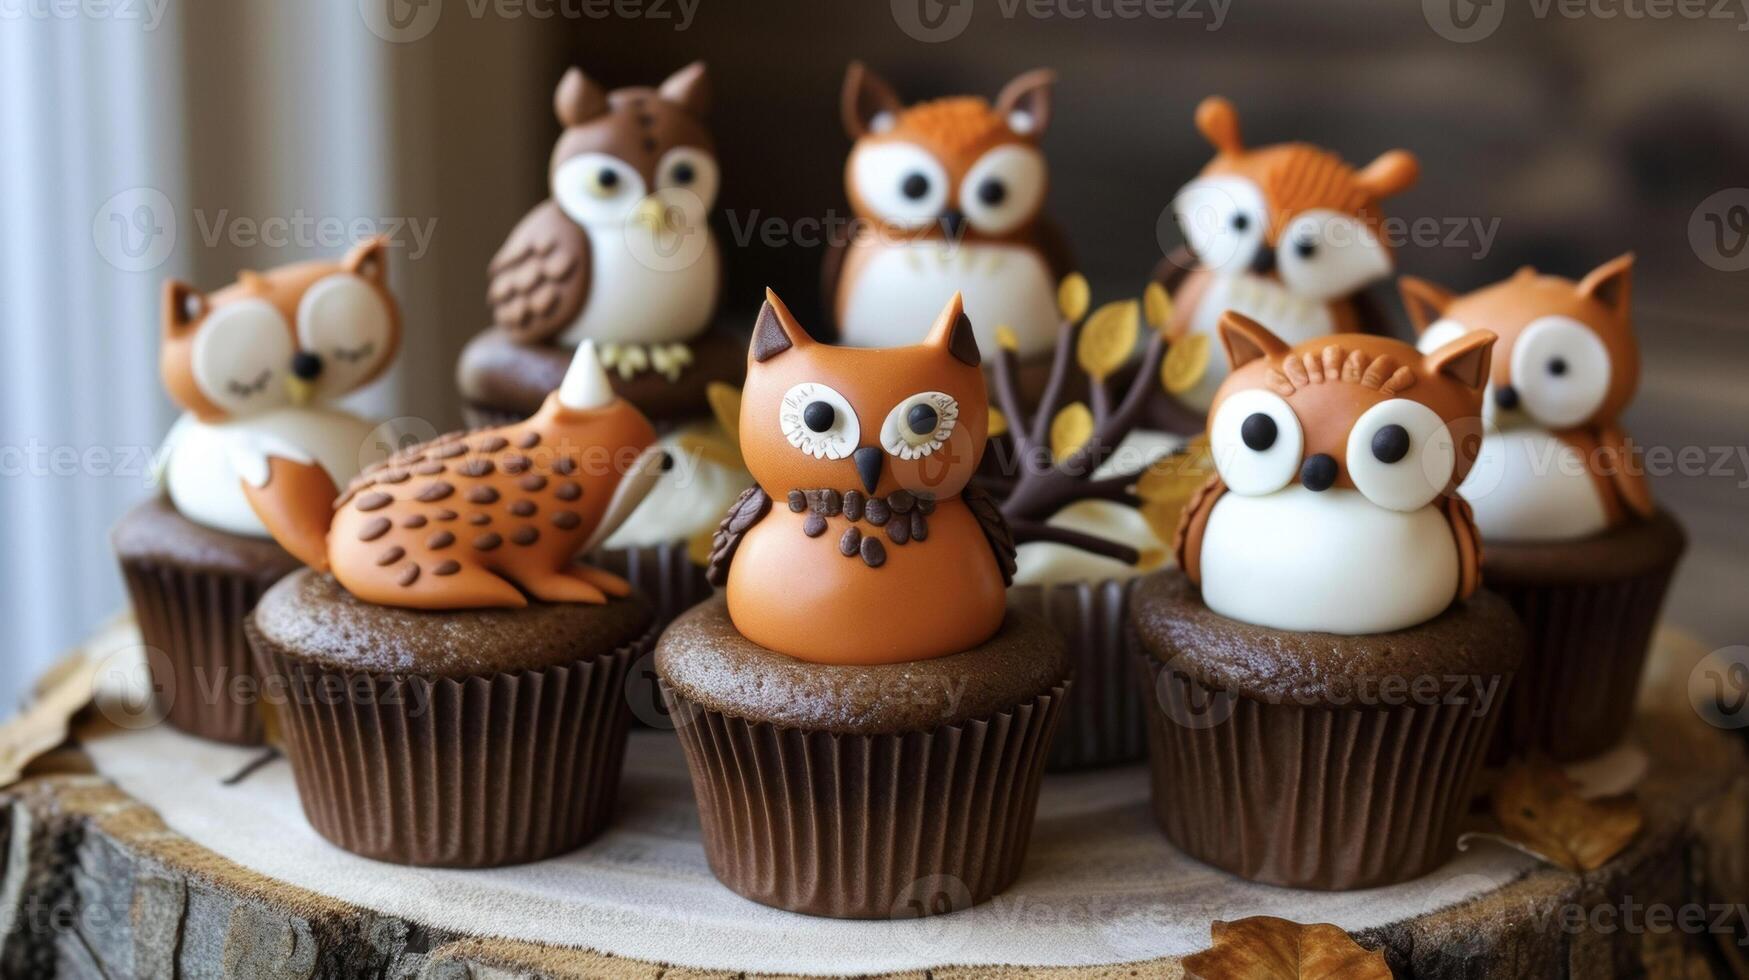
(1560, 370)
(1400, 454)
(900, 182)
(240, 355)
(1326, 254)
(595, 188)
(819, 421)
(1223, 220)
(1003, 189)
(1257, 441)
(689, 169)
(344, 325)
(920, 424)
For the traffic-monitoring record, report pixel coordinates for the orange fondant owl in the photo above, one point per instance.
(949, 196)
(1287, 234)
(1332, 507)
(489, 518)
(1560, 465)
(876, 550)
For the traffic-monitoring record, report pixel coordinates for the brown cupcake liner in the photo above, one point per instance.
(664, 573)
(465, 772)
(1310, 797)
(204, 682)
(867, 826)
(1588, 644)
(1103, 721)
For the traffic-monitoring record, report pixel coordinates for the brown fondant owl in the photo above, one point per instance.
(876, 550)
(622, 252)
(950, 196)
(1287, 234)
(1333, 504)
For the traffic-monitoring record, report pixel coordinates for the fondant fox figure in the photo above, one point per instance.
(478, 519)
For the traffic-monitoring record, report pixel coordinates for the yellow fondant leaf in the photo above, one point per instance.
(1006, 338)
(725, 402)
(1263, 947)
(1156, 306)
(711, 445)
(1541, 810)
(1073, 295)
(1108, 339)
(1070, 430)
(1187, 360)
(998, 422)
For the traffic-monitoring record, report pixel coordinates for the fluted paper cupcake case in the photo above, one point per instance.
(1103, 722)
(195, 619)
(867, 826)
(1310, 797)
(466, 772)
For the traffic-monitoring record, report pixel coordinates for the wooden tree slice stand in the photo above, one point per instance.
(94, 884)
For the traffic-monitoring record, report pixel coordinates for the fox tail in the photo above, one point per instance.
(292, 495)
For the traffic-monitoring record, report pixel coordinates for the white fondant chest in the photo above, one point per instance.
(1528, 485)
(204, 485)
(1329, 562)
(646, 292)
(1290, 316)
(892, 292)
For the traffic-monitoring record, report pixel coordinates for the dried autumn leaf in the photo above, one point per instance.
(43, 724)
(998, 422)
(725, 402)
(1177, 475)
(1070, 430)
(1186, 361)
(1108, 339)
(1073, 295)
(1541, 810)
(1264, 947)
(1006, 338)
(1156, 306)
(711, 445)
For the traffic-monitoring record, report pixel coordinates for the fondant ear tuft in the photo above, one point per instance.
(1464, 360)
(578, 98)
(689, 88)
(953, 332)
(866, 96)
(369, 260)
(1246, 340)
(1218, 122)
(775, 330)
(1391, 174)
(1025, 103)
(1425, 301)
(1611, 283)
(183, 305)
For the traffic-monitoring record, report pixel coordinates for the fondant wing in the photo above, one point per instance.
(1624, 474)
(995, 528)
(1187, 542)
(1469, 544)
(538, 281)
(747, 510)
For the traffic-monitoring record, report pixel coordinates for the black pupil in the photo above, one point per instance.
(1241, 222)
(1258, 431)
(818, 416)
(607, 178)
(683, 173)
(915, 186)
(922, 419)
(992, 192)
(1306, 249)
(1557, 366)
(1390, 443)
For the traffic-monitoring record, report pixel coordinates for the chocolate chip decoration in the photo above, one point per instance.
(414, 521)
(440, 541)
(879, 511)
(524, 536)
(901, 501)
(434, 492)
(429, 469)
(533, 483)
(516, 464)
(899, 531)
(394, 554)
(919, 526)
(488, 541)
(564, 466)
(565, 520)
(450, 451)
(798, 501)
(447, 567)
(854, 501)
(375, 500)
(492, 444)
(375, 528)
(523, 508)
(476, 468)
(529, 440)
(568, 491)
(408, 576)
(479, 520)
(850, 543)
(814, 526)
(874, 554)
(483, 495)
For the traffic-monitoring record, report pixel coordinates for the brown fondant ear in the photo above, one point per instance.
(1246, 340)
(867, 96)
(183, 306)
(369, 260)
(775, 330)
(1025, 103)
(1218, 122)
(1425, 301)
(1464, 360)
(578, 98)
(1611, 283)
(952, 332)
(1391, 174)
(689, 88)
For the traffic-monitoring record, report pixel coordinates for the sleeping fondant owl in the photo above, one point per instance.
(950, 194)
(622, 253)
(877, 550)
(1332, 506)
(1287, 234)
(1567, 365)
(265, 358)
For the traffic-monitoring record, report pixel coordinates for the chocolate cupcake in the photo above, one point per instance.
(865, 721)
(1325, 674)
(454, 686)
(252, 365)
(1572, 536)
(622, 254)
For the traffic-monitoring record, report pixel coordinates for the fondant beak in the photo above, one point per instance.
(868, 467)
(300, 390)
(651, 214)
